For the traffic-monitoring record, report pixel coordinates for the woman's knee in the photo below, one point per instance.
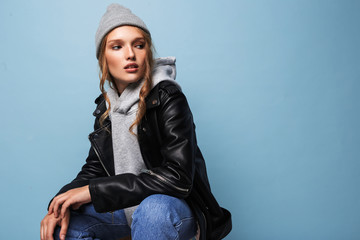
(159, 209)
(163, 217)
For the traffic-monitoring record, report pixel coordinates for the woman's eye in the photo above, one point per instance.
(117, 47)
(139, 46)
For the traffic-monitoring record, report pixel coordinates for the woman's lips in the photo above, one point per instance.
(131, 67)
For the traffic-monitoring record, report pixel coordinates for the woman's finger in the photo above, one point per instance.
(65, 207)
(45, 232)
(42, 230)
(49, 231)
(43, 225)
(54, 201)
(64, 225)
(58, 205)
(50, 211)
(48, 227)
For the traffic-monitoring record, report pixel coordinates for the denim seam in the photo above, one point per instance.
(178, 225)
(181, 221)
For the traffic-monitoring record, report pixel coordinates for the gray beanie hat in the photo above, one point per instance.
(116, 16)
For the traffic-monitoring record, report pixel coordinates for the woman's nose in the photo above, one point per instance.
(130, 55)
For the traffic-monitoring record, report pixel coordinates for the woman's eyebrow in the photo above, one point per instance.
(121, 41)
(139, 39)
(115, 41)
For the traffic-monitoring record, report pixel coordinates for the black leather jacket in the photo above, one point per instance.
(175, 165)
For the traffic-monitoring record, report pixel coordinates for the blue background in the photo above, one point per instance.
(273, 86)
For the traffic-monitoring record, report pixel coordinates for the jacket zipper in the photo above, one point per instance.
(102, 164)
(205, 224)
(164, 180)
(97, 154)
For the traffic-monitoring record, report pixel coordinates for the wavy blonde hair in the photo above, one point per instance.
(105, 76)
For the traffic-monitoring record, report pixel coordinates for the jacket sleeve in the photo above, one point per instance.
(175, 175)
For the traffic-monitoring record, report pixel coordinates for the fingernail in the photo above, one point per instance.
(62, 237)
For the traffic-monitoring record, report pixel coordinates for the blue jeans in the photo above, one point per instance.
(157, 217)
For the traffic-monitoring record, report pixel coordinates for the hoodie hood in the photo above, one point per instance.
(164, 69)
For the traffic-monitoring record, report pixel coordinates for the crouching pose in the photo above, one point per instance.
(145, 176)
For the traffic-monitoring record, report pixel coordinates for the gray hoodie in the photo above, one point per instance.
(127, 155)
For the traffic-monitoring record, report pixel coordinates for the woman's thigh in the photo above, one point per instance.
(88, 224)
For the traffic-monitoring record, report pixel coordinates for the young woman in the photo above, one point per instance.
(144, 175)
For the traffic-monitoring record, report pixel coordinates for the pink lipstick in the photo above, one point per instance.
(131, 67)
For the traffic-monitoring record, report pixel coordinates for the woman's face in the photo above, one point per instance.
(125, 55)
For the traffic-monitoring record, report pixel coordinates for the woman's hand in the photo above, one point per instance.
(49, 223)
(74, 197)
